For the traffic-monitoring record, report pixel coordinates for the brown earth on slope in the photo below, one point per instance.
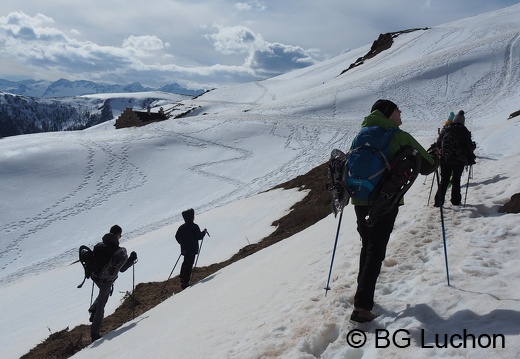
(382, 43)
(513, 206)
(314, 207)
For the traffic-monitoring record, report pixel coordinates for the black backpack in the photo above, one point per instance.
(86, 258)
(102, 263)
(451, 145)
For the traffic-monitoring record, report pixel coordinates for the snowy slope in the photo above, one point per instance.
(61, 190)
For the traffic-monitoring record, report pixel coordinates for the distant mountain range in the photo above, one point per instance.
(67, 88)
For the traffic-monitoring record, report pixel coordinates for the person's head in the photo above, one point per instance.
(388, 109)
(459, 118)
(188, 215)
(116, 230)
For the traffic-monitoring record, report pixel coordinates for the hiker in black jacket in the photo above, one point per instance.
(110, 259)
(188, 236)
(456, 152)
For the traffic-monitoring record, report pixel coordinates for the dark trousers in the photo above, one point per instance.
(98, 308)
(373, 251)
(453, 173)
(186, 268)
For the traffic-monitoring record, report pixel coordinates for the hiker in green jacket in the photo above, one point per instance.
(375, 238)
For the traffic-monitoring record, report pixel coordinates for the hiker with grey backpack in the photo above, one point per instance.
(109, 260)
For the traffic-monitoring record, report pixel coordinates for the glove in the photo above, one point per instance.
(133, 257)
(434, 150)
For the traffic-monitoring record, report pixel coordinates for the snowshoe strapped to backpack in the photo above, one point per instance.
(404, 170)
(110, 270)
(336, 185)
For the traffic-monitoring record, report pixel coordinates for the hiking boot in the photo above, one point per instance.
(361, 315)
(185, 285)
(95, 337)
(438, 204)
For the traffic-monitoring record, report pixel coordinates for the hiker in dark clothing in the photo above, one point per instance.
(110, 259)
(457, 152)
(188, 236)
(374, 239)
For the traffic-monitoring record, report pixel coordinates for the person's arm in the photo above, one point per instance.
(129, 262)
(429, 159)
(200, 234)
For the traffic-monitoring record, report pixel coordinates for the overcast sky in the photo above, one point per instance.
(200, 43)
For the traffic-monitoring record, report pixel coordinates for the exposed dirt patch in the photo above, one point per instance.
(383, 42)
(513, 206)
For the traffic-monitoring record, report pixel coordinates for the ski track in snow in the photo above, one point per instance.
(119, 175)
(109, 168)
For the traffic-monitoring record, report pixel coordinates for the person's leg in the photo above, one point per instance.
(186, 268)
(98, 309)
(456, 196)
(443, 185)
(363, 230)
(373, 252)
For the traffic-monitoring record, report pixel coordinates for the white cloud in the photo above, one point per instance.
(250, 6)
(235, 39)
(33, 42)
(279, 58)
(143, 47)
(51, 39)
(266, 59)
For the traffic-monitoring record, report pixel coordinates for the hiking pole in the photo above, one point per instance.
(92, 294)
(431, 188)
(171, 273)
(133, 288)
(470, 175)
(327, 288)
(443, 234)
(198, 254)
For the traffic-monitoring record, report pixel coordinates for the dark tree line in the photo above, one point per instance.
(23, 115)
